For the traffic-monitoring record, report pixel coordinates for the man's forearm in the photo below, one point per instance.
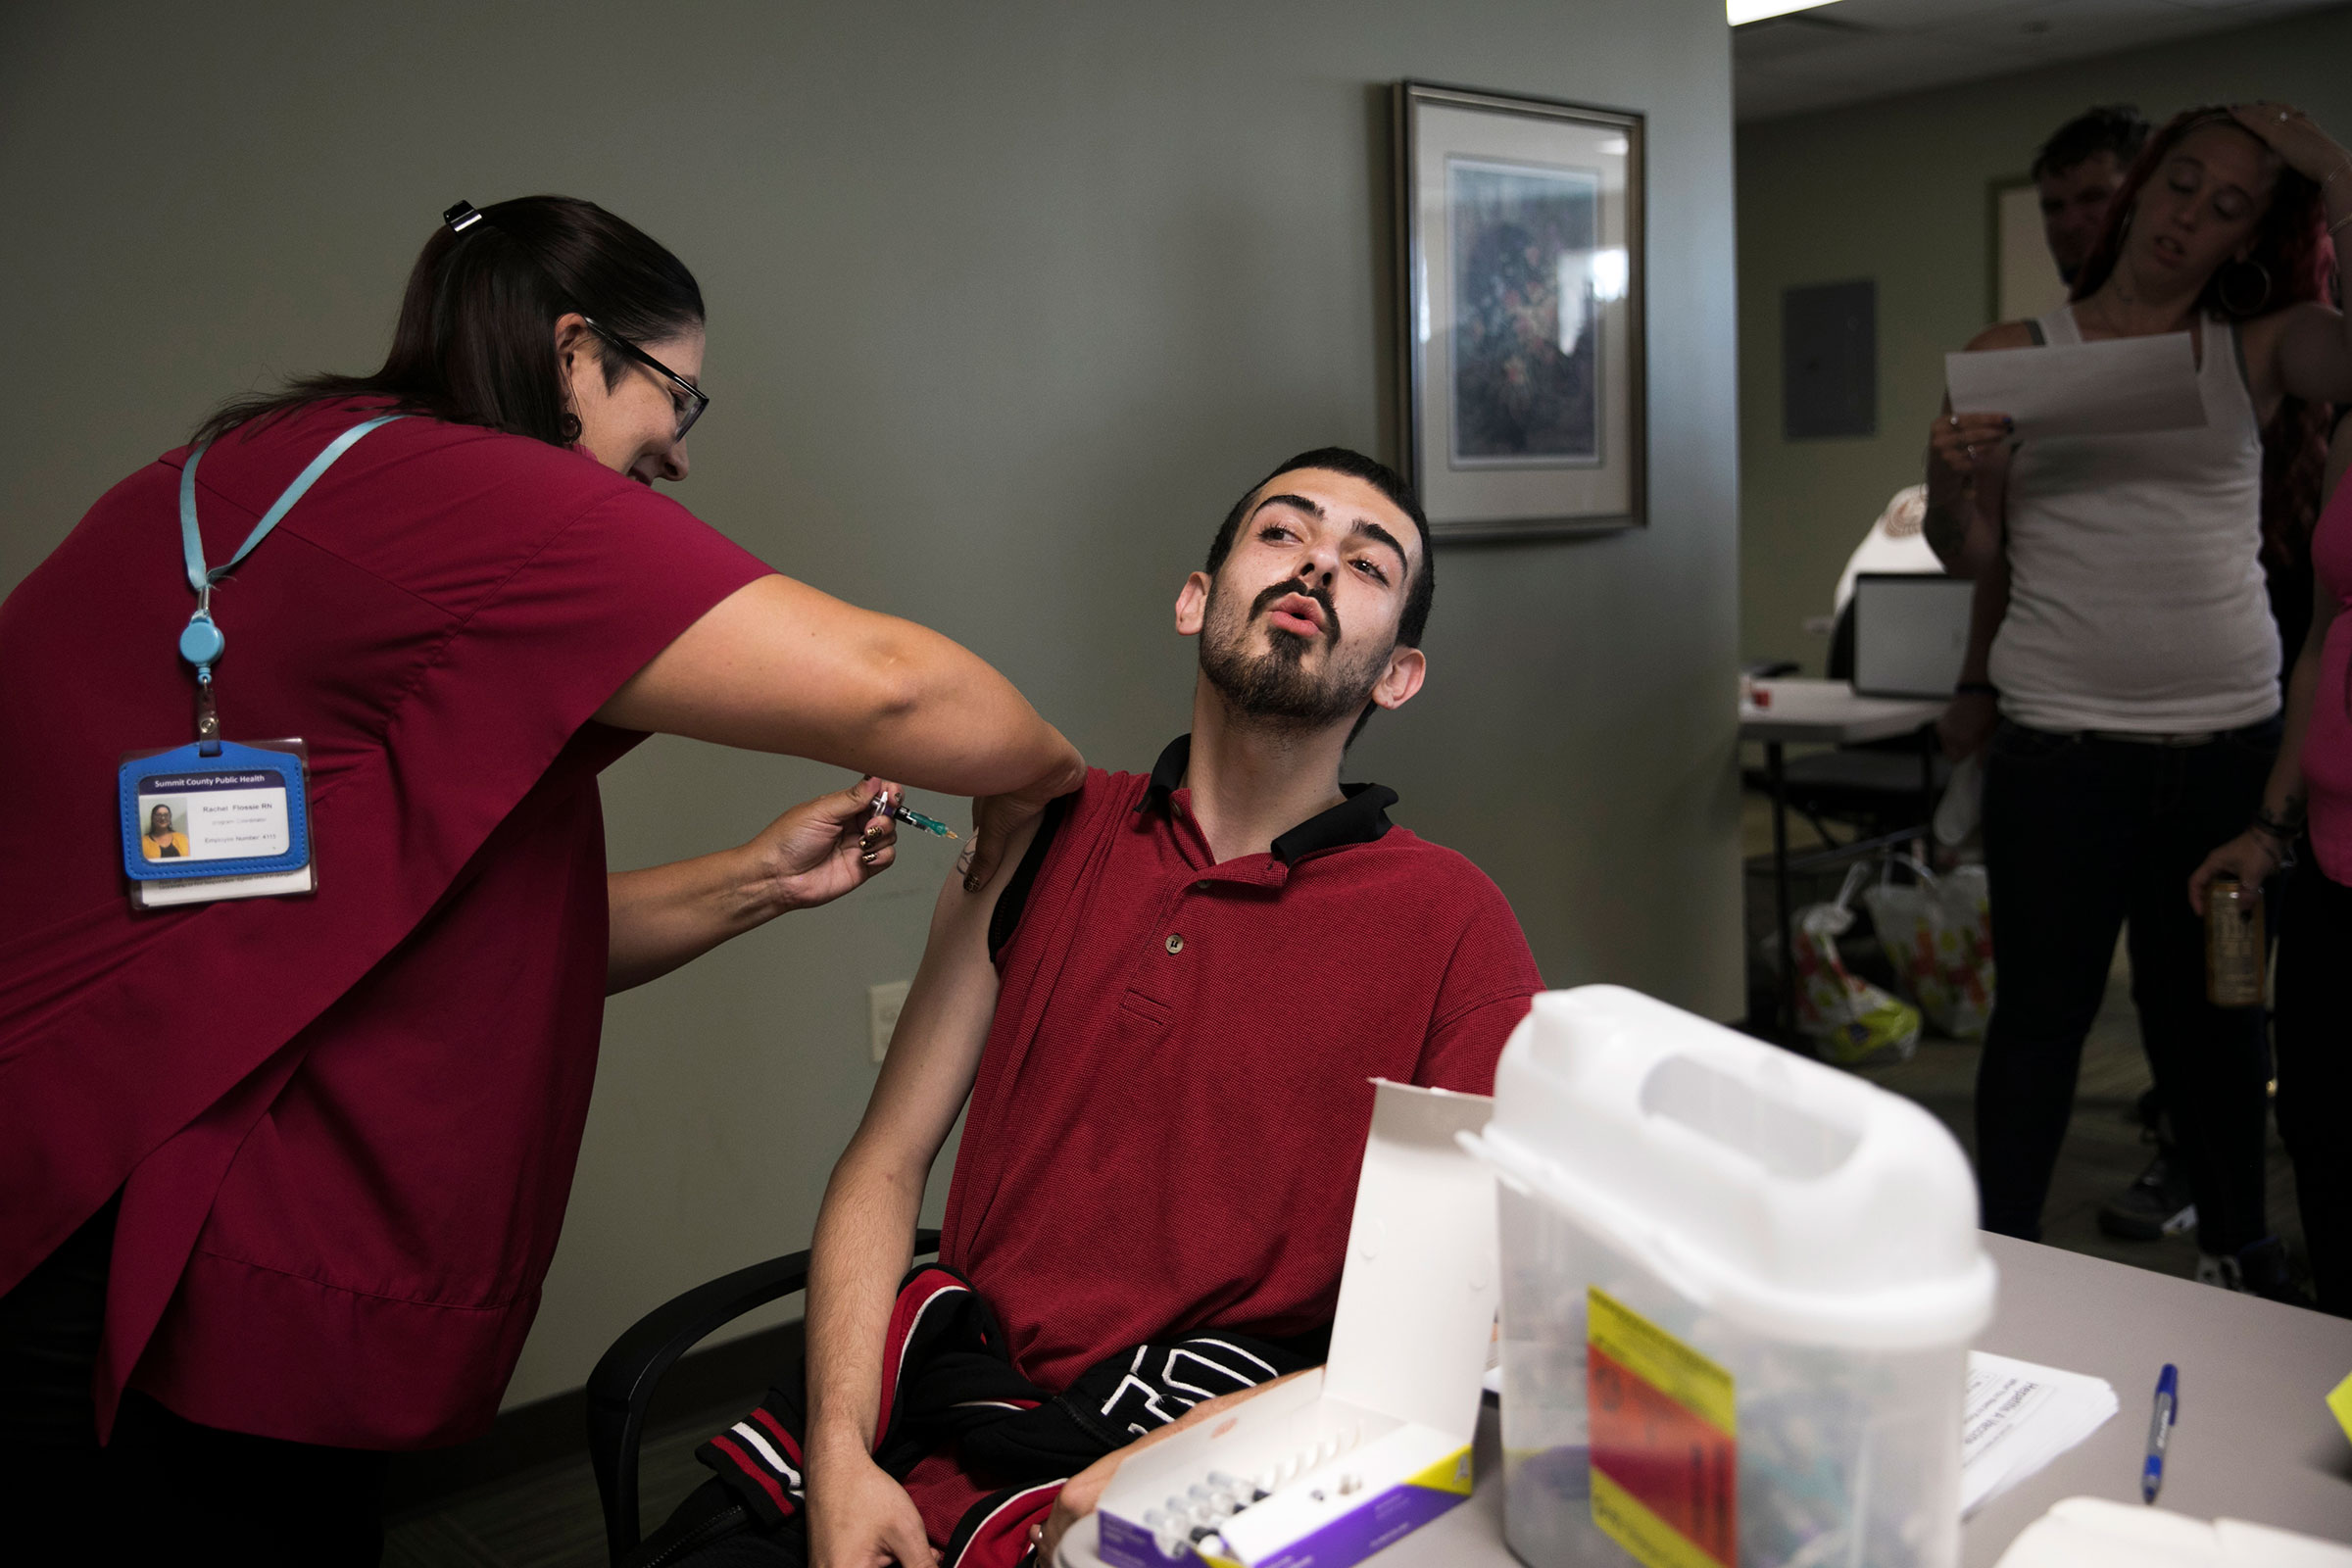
(864, 1243)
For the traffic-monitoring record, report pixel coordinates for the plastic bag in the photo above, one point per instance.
(1937, 933)
(1854, 1019)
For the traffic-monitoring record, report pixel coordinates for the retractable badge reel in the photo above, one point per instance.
(219, 819)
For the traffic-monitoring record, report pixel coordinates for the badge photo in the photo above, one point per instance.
(233, 825)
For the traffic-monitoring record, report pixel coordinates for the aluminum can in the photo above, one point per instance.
(2233, 944)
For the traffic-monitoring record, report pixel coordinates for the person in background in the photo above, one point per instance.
(2304, 830)
(2076, 174)
(285, 1204)
(2136, 659)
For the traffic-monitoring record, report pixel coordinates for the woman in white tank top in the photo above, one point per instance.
(2137, 662)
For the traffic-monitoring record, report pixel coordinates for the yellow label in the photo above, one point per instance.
(1450, 1473)
(1660, 1360)
(1654, 1542)
(1665, 1453)
(2339, 1400)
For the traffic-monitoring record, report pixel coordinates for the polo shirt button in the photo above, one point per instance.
(1201, 887)
(1175, 942)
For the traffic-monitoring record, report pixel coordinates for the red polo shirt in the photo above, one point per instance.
(343, 1126)
(1170, 1113)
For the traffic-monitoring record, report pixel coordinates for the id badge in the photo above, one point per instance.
(233, 825)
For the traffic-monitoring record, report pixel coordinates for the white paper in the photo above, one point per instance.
(2018, 1417)
(2099, 1533)
(2120, 386)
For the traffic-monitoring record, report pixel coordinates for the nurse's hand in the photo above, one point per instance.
(824, 848)
(666, 914)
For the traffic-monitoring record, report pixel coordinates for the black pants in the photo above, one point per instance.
(163, 1488)
(2314, 1021)
(2081, 835)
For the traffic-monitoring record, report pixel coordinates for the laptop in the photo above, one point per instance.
(1910, 633)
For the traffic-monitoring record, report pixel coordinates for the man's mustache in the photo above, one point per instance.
(1305, 590)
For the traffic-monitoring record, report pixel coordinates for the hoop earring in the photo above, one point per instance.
(2222, 282)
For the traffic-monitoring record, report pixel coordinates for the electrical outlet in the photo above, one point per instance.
(882, 1004)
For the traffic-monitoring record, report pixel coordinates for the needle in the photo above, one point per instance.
(884, 806)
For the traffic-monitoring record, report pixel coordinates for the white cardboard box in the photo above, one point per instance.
(1377, 1442)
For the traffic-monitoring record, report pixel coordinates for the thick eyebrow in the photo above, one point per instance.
(1300, 502)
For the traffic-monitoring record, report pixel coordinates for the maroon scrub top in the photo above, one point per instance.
(343, 1126)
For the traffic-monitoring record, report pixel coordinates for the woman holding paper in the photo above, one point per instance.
(2137, 659)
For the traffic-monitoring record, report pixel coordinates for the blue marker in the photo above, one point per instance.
(2160, 1429)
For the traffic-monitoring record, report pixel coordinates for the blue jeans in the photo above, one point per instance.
(2081, 836)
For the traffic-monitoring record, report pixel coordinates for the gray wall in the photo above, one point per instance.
(1900, 191)
(1007, 303)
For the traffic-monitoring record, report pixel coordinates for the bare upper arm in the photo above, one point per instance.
(943, 1027)
(2298, 352)
(774, 667)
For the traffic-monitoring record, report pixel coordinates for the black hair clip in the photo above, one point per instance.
(460, 217)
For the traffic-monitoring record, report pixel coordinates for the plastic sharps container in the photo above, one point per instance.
(1739, 1291)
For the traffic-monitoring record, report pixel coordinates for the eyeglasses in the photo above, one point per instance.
(695, 400)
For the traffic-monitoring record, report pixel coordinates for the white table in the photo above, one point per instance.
(1827, 713)
(2254, 1440)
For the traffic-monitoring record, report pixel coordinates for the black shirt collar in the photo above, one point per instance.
(1361, 818)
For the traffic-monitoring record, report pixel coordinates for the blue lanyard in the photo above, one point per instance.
(201, 643)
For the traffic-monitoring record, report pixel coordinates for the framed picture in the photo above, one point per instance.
(2024, 280)
(1519, 312)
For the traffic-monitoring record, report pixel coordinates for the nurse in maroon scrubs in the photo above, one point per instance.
(280, 1176)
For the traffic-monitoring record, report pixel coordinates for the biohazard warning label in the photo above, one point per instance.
(1665, 1443)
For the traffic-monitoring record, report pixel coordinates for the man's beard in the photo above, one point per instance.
(1274, 688)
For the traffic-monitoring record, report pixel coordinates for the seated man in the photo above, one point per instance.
(1162, 1021)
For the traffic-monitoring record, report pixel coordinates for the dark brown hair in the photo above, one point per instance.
(476, 339)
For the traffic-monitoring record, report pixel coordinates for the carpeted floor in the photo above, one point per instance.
(548, 1517)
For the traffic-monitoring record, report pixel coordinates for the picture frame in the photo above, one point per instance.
(1522, 419)
(2022, 282)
